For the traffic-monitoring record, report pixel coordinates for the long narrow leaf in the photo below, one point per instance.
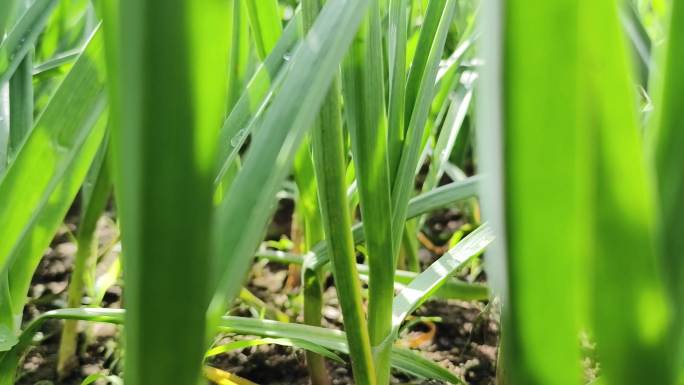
(396, 42)
(94, 195)
(403, 359)
(238, 51)
(667, 141)
(630, 321)
(270, 155)
(539, 91)
(639, 39)
(171, 93)
(326, 146)
(48, 155)
(453, 288)
(21, 104)
(458, 108)
(304, 344)
(23, 36)
(430, 280)
(435, 199)
(45, 177)
(418, 95)
(251, 104)
(363, 86)
(264, 17)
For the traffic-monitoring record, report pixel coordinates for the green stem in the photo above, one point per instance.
(328, 145)
(304, 167)
(313, 305)
(66, 359)
(397, 82)
(21, 104)
(409, 245)
(95, 194)
(308, 209)
(170, 102)
(501, 372)
(438, 198)
(18, 120)
(365, 113)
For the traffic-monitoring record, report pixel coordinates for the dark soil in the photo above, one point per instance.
(465, 342)
(465, 336)
(48, 292)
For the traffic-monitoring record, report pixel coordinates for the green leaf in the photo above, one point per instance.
(630, 320)
(542, 168)
(238, 55)
(262, 307)
(57, 61)
(458, 108)
(419, 93)
(426, 42)
(249, 108)
(95, 191)
(435, 199)
(169, 98)
(264, 18)
(115, 380)
(304, 344)
(403, 359)
(639, 40)
(667, 140)
(272, 150)
(4, 127)
(45, 177)
(94, 196)
(452, 289)
(437, 274)
(325, 143)
(566, 66)
(23, 36)
(396, 42)
(21, 105)
(50, 168)
(67, 28)
(363, 86)
(7, 10)
(8, 336)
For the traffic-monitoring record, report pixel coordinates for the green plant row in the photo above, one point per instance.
(186, 122)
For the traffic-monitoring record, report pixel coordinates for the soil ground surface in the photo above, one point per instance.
(461, 336)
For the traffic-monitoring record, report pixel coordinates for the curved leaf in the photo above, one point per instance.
(247, 111)
(44, 178)
(304, 344)
(264, 18)
(23, 36)
(403, 359)
(435, 199)
(272, 150)
(427, 282)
